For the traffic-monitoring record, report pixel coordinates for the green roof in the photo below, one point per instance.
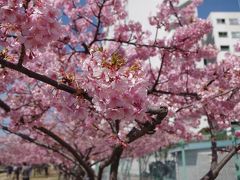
(202, 145)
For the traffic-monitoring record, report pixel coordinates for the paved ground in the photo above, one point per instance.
(53, 177)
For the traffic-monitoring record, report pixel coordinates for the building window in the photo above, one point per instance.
(221, 21)
(234, 21)
(209, 61)
(236, 35)
(205, 62)
(224, 48)
(222, 34)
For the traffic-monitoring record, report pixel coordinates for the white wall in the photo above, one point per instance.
(140, 10)
(227, 27)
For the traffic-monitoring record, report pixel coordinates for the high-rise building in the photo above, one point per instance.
(225, 33)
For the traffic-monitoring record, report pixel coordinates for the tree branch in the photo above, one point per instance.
(45, 79)
(98, 23)
(148, 126)
(22, 55)
(31, 140)
(134, 134)
(25, 4)
(117, 150)
(4, 106)
(184, 94)
(68, 147)
(213, 173)
(158, 77)
(137, 44)
(175, 13)
(213, 139)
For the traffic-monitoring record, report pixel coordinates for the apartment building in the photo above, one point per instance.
(225, 33)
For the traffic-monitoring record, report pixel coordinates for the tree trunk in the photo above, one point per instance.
(71, 150)
(100, 172)
(213, 173)
(115, 163)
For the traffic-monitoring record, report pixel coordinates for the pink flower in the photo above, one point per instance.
(237, 134)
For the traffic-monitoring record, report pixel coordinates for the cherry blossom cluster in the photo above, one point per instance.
(93, 86)
(106, 75)
(34, 26)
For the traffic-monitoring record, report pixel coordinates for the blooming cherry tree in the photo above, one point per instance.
(80, 85)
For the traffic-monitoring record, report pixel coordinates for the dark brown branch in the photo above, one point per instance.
(70, 149)
(210, 119)
(4, 106)
(210, 82)
(86, 19)
(115, 162)
(45, 79)
(158, 77)
(11, 36)
(86, 48)
(234, 91)
(213, 173)
(137, 44)
(184, 94)
(175, 13)
(31, 140)
(22, 55)
(98, 16)
(147, 127)
(134, 134)
(213, 145)
(25, 4)
(214, 79)
(88, 152)
(116, 151)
